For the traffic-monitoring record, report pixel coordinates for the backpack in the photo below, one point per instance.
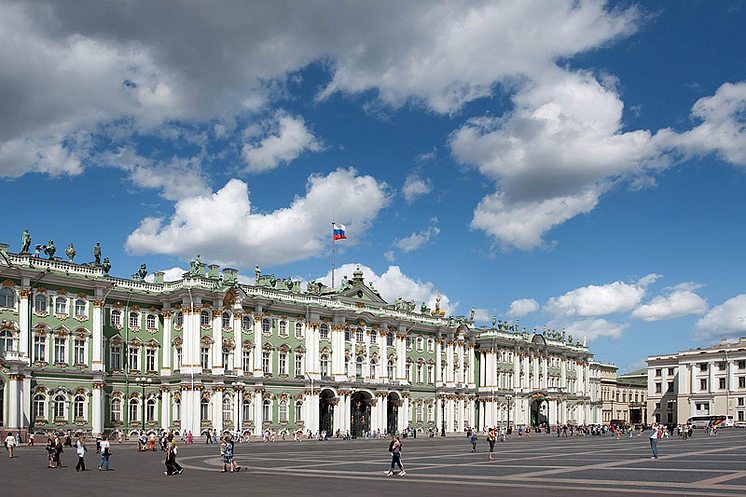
(391, 446)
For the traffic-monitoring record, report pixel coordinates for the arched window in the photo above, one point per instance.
(359, 367)
(40, 407)
(150, 322)
(7, 298)
(373, 367)
(228, 409)
(116, 318)
(418, 413)
(267, 410)
(324, 331)
(324, 365)
(389, 339)
(226, 321)
(134, 410)
(246, 323)
(347, 335)
(204, 409)
(177, 409)
(59, 406)
(430, 413)
(40, 303)
(79, 407)
(116, 409)
(283, 328)
(283, 411)
(298, 410)
(298, 330)
(179, 319)
(419, 372)
(6, 341)
(390, 369)
(80, 307)
(204, 318)
(134, 320)
(60, 305)
(347, 365)
(247, 411)
(419, 343)
(150, 410)
(359, 335)
(266, 326)
(205, 356)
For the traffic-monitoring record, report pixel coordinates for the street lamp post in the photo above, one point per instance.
(509, 397)
(142, 381)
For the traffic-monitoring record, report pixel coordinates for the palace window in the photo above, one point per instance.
(116, 357)
(283, 328)
(266, 365)
(134, 321)
(133, 360)
(347, 365)
(246, 361)
(60, 305)
(204, 357)
(298, 364)
(40, 348)
(359, 367)
(409, 372)
(373, 366)
(150, 360)
(59, 406)
(430, 412)
(204, 409)
(324, 363)
(116, 318)
(60, 355)
(228, 410)
(298, 330)
(742, 382)
(324, 331)
(226, 320)
(150, 322)
(347, 335)
(298, 410)
(430, 345)
(390, 368)
(246, 323)
(7, 298)
(741, 364)
(40, 406)
(40, 303)
(430, 374)
(247, 411)
(78, 407)
(418, 414)
(80, 307)
(389, 339)
(6, 341)
(177, 409)
(721, 383)
(177, 364)
(283, 411)
(703, 384)
(179, 319)
(420, 344)
(359, 335)
(409, 343)
(419, 373)
(283, 363)
(116, 410)
(204, 318)
(150, 410)
(267, 410)
(79, 351)
(133, 414)
(266, 326)
(703, 367)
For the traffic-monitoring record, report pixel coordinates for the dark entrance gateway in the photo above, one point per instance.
(360, 416)
(539, 409)
(392, 412)
(326, 411)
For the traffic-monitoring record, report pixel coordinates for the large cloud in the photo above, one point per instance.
(677, 302)
(723, 321)
(225, 228)
(286, 138)
(85, 64)
(393, 284)
(522, 307)
(599, 300)
(591, 329)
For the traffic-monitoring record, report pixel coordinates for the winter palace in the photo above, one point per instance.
(84, 351)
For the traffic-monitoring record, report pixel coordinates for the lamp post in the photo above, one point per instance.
(509, 398)
(142, 381)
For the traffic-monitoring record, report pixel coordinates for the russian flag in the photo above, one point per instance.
(339, 231)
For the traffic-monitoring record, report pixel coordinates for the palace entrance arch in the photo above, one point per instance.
(392, 412)
(360, 415)
(326, 411)
(539, 412)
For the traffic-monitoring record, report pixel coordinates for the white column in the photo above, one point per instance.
(97, 338)
(710, 381)
(258, 356)
(471, 372)
(24, 322)
(450, 380)
(438, 413)
(438, 358)
(482, 369)
(545, 373)
(460, 377)
(383, 409)
(563, 375)
(166, 349)
(217, 410)
(165, 408)
(217, 346)
(382, 356)
(346, 411)
(238, 349)
(14, 404)
(401, 358)
(338, 354)
(405, 412)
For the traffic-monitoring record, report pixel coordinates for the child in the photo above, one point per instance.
(474, 441)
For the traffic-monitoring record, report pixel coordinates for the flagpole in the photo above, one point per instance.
(333, 261)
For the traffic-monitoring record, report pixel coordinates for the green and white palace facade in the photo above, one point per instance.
(84, 351)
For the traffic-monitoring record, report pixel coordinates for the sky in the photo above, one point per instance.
(572, 164)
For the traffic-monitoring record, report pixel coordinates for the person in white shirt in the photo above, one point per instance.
(655, 434)
(10, 442)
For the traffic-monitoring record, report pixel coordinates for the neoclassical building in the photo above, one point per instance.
(82, 350)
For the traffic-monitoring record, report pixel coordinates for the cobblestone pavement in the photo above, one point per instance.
(539, 465)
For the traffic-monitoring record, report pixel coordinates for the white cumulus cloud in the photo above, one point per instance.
(172, 274)
(522, 307)
(598, 300)
(415, 187)
(286, 138)
(723, 321)
(592, 329)
(675, 303)
(417, 239)
(224, 227)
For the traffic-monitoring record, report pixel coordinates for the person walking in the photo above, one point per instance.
(80, 450)
(172, 467)
(655, 434)
(474, 441)
(395, 449)
(105, 454)
(58, 450)
(31, 439)
(491, 437)
(10, 443)
(227, 450)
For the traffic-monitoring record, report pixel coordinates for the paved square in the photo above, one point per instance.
(541, 465)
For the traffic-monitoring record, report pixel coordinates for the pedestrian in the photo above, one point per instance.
(474, 441)
(227, 452)
(58, 450)
(105, 454)
(80, 450)
(655, 434)
(189, 437)
(395, 448)
(10, 443)
(172, 467)
(31, 439)
(491, 438)
(51, 450)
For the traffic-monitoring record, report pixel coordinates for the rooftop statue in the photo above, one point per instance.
(142, 272)
(106, 265)
(346, 284)
(50, 249)
(424, 309)
(97, 253)
(70, 252)
(494, 321)
(25, 241)
(39, 247)
(471, 314)
(257, 273)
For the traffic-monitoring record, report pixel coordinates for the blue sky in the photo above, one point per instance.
(575, 164)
